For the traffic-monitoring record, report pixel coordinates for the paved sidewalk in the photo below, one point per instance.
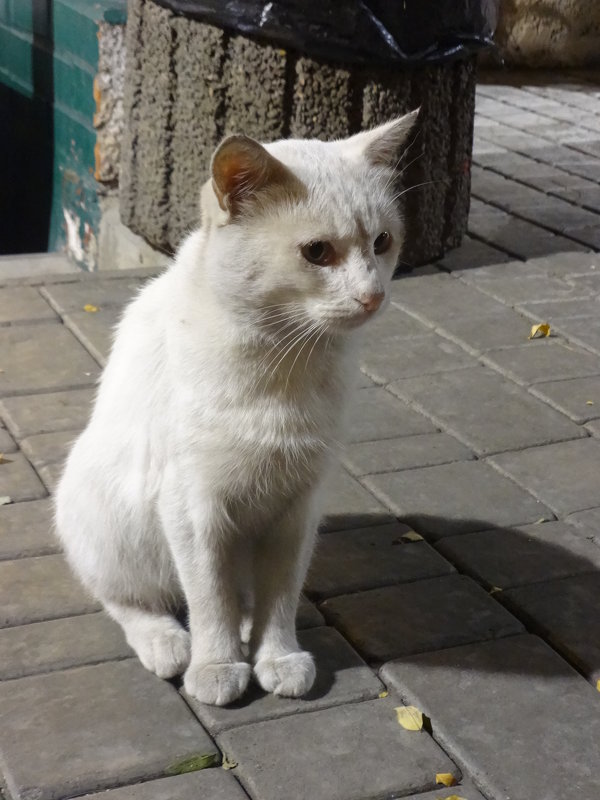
(458, 569)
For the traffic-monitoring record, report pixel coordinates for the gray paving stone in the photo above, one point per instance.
(100, 292)
(36, 589)
(543, 360)
(26, 529)
(587, 523)
(60, 643)
(72, 732)
(350, 505)
(514, 290)
(439, 297)
(513, 557)
(426, 355)
(206, 784)
(419, 617)
(584, 332)
(502, 708)
(379, 415)
(352, 752)
(351, 561)
(564, 476)
(48, 448)
(45, 413)
(565, 613)
(95, 331)
(51, 474)
(593, 428)
(486, 412)
(18, 479)
(479, 334)
(307, 615)
(39, 357)
(579, 398)
(472, 253)
(559, 311)
(394, 326)
(463, 792)
(24, 304)
(456, 498)
(7, 443)
(342, 677)
(407, 452)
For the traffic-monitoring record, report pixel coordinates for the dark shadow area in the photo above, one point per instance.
(27, 147)
(545, 576)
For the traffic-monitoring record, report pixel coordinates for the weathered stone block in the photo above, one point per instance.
(45, 413)
(26, 530)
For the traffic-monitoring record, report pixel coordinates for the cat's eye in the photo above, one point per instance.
(320, 253)
(382, 243)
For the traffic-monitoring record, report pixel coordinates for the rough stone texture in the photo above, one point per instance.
(109, 120)
(350, 561)
(60, 643)
(503, 558)
(18, 480)
(501, 328)
(376, 414)
(23, 304)
(465, 791)
(407, 452)
(548, 473)
(418, 617)
(26, 530)
(579, 398)
(188, 83)
(36, 589)
(587, 522)
(563, 612)
(137, 727)
(350, 505)
(43, 357)
(212, 784)
(457, 498)
(51, 474)
(342, 677)
(307, 615)
(46, 413)
(486, 412)
(7, 444)
(490, 705)
(356, 752)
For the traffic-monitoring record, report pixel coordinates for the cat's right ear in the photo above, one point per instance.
(240, 168)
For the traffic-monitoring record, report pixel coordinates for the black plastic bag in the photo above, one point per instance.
(357, 31)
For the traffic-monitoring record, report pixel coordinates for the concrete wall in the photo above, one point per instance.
(188, 84)
(549, 33)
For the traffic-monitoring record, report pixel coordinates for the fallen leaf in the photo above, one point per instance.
(539, 521)
(542, 328)
(597, 682)
(411, 536)
(4, 460)
(447, 778)
(451, 797)
(587, 402)
(409, 717)
(383, 694)
(90, 308)
(193, 764)
(495, 590)
(228, 763)
(5, 500)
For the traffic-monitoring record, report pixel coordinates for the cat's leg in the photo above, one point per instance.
(282, 557)
(159, 641)
(204, 556)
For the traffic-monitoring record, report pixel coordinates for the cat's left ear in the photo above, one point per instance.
(380, 146)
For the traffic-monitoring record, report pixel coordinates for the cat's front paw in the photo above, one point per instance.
(217, 684)
(289, 676)
(166, 652)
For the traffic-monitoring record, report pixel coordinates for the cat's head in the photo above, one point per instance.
(305, 233)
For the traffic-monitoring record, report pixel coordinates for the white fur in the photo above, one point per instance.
(198, 477)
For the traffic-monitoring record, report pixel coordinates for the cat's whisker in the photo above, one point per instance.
(314, 329)
(279, 344)
(288, 349)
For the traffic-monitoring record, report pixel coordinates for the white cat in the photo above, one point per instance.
(198, 477)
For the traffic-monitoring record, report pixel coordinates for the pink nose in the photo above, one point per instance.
(371, 302)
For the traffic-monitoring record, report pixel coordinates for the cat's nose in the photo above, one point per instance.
(371, 302)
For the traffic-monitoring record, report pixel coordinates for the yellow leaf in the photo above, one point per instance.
(543, 329)
(452, 797)
(587, 402)
(447, 778)
(495, 590)
(5, 500)
(228, 763)
(597, 682)
(411, 536)
(383, 694)
(90, 308)
(4, 460)
(409, 717)
(539, 521)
